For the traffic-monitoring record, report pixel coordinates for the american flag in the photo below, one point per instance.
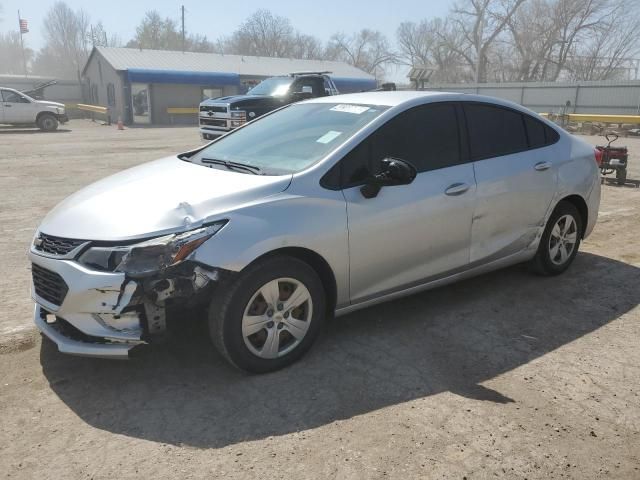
(23, 26)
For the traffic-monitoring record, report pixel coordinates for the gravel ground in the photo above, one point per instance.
(507, 375)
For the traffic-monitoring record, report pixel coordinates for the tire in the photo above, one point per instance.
(550, 260)
(621, 176)
(47, 122)
(242, 320)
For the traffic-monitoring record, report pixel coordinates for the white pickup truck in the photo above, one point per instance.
(17, 108)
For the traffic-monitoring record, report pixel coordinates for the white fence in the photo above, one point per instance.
(621, 98)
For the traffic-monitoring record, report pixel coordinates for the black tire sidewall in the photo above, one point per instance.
(241, 292)
(543, 258)
(45, 117)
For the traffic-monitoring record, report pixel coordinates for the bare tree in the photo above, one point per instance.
(262, 34)
(100, 38)
(482, 21)
(11, 53)
(67, 42)
(367, 49)
(436, 44)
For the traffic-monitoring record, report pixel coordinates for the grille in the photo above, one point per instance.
(213, 123)
(214, 108)
(48, 285)
(56, 245)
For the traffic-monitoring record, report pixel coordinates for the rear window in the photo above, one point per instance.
(494, 131)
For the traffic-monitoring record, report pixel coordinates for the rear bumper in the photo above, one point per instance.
(71, 346)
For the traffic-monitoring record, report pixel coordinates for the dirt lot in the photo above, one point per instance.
(504, 376)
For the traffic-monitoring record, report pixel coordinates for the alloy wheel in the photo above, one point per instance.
(277, 318)
(562, 240)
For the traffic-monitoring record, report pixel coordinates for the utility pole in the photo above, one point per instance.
(182, 9)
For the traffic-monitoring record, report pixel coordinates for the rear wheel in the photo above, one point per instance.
(47, 122)
(621, 176)
(560, 240)
(269, 316)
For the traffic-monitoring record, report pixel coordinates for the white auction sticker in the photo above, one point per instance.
(343, 107)
(329, 136)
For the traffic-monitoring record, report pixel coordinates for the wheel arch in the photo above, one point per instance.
(578, 202)
(319, 265)
(42, 113)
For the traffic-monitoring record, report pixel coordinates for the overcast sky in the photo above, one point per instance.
(320, 18)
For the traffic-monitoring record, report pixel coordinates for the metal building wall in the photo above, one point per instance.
(622, 98)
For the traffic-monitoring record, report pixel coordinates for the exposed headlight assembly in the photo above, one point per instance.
(150, 256)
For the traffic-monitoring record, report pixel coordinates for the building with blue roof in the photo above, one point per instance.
(165, 87)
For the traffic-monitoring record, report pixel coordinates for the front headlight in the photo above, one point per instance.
(150, 256)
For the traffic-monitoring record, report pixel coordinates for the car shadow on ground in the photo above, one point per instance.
(628, 182)
(23, 130)
(449, 339)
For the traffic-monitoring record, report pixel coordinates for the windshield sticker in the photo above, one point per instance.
(357, 109)
(329, 136)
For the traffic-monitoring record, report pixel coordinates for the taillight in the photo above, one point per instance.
(598, 155)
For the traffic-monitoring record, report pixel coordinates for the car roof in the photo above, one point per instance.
(411, 97)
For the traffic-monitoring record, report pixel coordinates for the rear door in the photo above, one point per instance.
(409, 233)
(516, 179)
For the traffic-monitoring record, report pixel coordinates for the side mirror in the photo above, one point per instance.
(394, 172)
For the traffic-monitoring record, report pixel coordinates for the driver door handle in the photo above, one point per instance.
(456, 189)
(541, 166)
(7, 105)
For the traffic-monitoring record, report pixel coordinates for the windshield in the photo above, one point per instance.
(275, 86)
(291, 139)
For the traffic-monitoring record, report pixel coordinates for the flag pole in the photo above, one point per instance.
(24, 58)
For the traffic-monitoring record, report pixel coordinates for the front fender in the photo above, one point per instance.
(317, 223)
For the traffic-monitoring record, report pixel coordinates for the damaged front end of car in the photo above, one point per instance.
(103, 299)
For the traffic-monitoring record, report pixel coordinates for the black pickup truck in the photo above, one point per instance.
(218, 116)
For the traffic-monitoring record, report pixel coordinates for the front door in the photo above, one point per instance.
(516, 179)
(16, 108)
(409, 234)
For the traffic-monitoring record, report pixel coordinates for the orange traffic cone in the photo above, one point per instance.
(120, 124)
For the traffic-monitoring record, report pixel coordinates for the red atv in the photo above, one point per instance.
(613, 159)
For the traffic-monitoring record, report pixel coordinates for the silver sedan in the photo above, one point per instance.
(317, 209)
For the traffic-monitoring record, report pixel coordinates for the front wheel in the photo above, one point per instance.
(269, 316)
(560, 240)
(47, 122)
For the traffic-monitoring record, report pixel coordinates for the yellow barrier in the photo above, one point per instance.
(587, 117)
(182, 110)
(93, 108)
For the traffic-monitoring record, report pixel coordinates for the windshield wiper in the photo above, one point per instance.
(232, 165)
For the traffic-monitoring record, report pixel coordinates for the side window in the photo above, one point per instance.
(427, 136)
(539, 134)
(13, 97)
(535, 132)
(494, 131)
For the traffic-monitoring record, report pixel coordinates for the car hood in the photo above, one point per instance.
(247, 101)
(157, 197)
(47, 103)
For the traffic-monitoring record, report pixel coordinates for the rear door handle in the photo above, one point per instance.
(540, 166)
(7, 105)
(456, 189)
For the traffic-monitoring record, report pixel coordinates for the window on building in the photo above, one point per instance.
(111, 95)
(208, 93)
